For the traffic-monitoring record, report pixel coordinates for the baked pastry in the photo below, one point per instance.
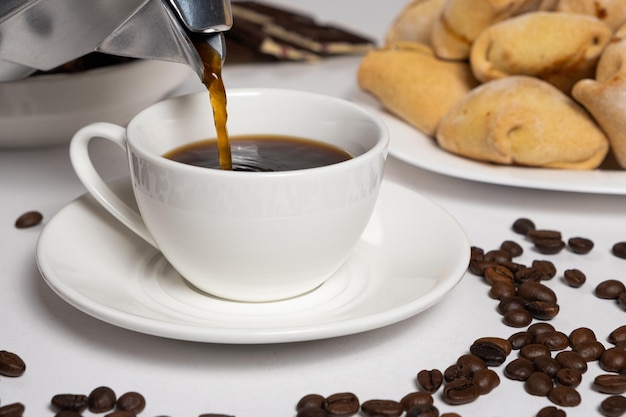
(521, 120)
(605, 97)
(611, 12)
(560, 48)
(461, 21)
(411, 82)
(414, 22)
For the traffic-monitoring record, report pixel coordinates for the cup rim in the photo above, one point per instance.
(382, 143)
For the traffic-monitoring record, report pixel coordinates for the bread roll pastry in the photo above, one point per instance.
(461, 21)
(560, 48)
(521, 120)
(411, 82)
(611, 12)
(414, 22)
(605, 97)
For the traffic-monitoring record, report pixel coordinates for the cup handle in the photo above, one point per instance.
(86, 172)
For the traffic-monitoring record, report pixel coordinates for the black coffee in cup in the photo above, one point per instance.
(262, 153)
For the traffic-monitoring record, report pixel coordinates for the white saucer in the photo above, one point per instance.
(411, 255)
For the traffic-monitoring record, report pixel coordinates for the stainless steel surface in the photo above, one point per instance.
(43, 34)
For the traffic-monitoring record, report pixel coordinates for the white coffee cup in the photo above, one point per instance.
(245, 236)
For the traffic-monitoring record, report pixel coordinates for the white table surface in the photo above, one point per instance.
(67, 351)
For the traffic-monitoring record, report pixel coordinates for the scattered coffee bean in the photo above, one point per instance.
(538, 329)
(493, 354)
(553, 340)
(529, 274)
(580, 245)
(619, 250)
(414, 399)
(502, 289)
(73, 402)
(342, 404)
(430, 380)
(497, 273)
(460, 391)
(571, 359)
(613, 359)
(547, 268)
(538, 383)
(621, 300)
(312, 412)
(423, 411)
(486, 380)
(215, 415)
(564, 396)
(569, 376)
(582, 335)
(28, 219)
(610, 289)
(519, 369)
(522, 226)
(12, 410)
(513, 248)
(534, 350)
(574, 278)
(517, 318)
(520, 339)
(450, 415)
(549, 246)
(497, 256)
(542, 310)
(613, 406)
(382, 408)
(610, 383)
(120, 413)
(590, 351)
(131, 401)
(510, 303)
(466, 365)
(101, 399)
(546, 364)
(544, 234)
(11, 364)
(551, 411)
(68, 413)
(535, 291)
(310, 400)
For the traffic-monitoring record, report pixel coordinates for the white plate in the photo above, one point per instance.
(48, 109)
(411, 146)
(410, 256)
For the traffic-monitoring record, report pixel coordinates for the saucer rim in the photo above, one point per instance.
(281, 334)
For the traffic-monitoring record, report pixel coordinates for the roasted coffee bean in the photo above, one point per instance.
(342, 404)
(547, 365)
(476, 253)
(549, 246)
(382, 408)
(539, 384)
(533, 351)
(613, 406)
(581, 335)
(478, 266)
(12, 410)
(460, 391)
(610, 289)
(451, 373)
(11, 364)
(120, 413)
(312, 412)
(619, 250)
(450, 415)
(28, 219)
(621, 300)
(553, 340)
(546, 267)
(430, 380)
(618, 335)
(571, 359)
(498, 256)
(513, 248)
(590, 351)
(101, 399)
(466, 365)
(486, 380)
(414, 399)
(215, 415)
(574, 278)
(551, 411)
(131, 401)
(610, 383)
(543, 310)
(523, 225)
(503, 344)
(502, 289)
(513, 266)
(580, 245)
(564, 396)
(68, 413)
(423, 411)
(517, 318)
(529, 274)
(310, 400)
(74, 402)
(510, 303)
(569, 376)
(543, 234)
(535, 291)
(519, 369)
(497, 273)
(613, 359)
(520, 339)
(538, 329)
